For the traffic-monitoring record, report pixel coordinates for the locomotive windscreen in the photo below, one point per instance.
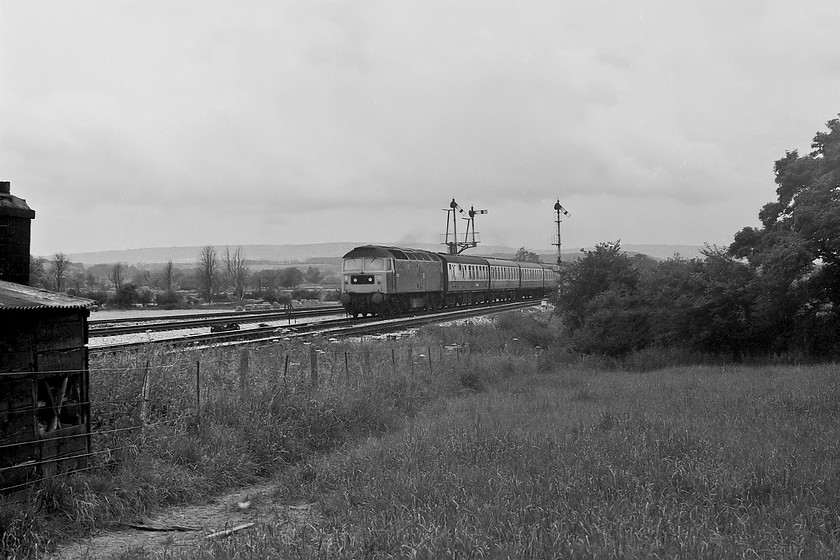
(365, 264)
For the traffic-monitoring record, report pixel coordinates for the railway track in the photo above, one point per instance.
(115, 327)
(343, 327)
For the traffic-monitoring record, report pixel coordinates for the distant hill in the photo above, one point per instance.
(300, 253)
(188, 255)
(666, 251)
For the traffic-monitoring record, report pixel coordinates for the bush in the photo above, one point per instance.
(99, 296)
(529, 328)
(305, 293)
(168, 300)
(126, 296)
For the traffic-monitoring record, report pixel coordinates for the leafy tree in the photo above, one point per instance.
(599, 304)
(99, 295)
(290, 277)
(671, 290)
(126, 295)
(523, 255)
(605, 268)
(142, 277)
(616, 323)
(796, 252)
(722, 310)
(145, 295)
(169, 299)
(38, 276)
(313, 275)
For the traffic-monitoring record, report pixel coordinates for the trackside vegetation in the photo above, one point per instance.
(518, 450)
(773, 293)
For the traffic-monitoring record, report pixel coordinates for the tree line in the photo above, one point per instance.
(214, 277)
(775, 290)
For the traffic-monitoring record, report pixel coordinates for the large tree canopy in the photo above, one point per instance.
(796, 252)
(806, 214)
(775, 290)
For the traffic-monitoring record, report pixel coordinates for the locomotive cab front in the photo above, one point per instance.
(367, 273)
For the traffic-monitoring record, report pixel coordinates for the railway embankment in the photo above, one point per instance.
(171, 429)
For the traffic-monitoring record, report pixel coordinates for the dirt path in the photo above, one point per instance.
(187, 526)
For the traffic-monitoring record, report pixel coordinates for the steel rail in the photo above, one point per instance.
(333, 327)
(176, 322)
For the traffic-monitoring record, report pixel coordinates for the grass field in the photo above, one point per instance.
(680, 463)
(521, 452)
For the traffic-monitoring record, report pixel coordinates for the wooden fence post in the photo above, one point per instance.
(346, 368)
(285, 369)
(393, 363)
(366, 360)
(313, 366)
(145, 395)
(197, 393)
(243, 370)
(410, 355)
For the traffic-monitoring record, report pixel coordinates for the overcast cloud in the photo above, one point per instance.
(139, 123)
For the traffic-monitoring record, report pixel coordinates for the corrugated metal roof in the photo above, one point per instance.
(18, 297)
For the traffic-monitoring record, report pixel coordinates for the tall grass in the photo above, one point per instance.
(703, 462)
(244, 432)
(522, 450)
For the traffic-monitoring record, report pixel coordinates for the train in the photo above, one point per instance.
(382, 281)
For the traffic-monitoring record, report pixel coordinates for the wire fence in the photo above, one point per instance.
(133, 394)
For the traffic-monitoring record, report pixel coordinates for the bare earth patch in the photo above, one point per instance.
(174, 528)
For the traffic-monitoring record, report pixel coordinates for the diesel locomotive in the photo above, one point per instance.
(381, 281)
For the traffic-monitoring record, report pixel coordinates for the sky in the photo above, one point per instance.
(159, 123)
